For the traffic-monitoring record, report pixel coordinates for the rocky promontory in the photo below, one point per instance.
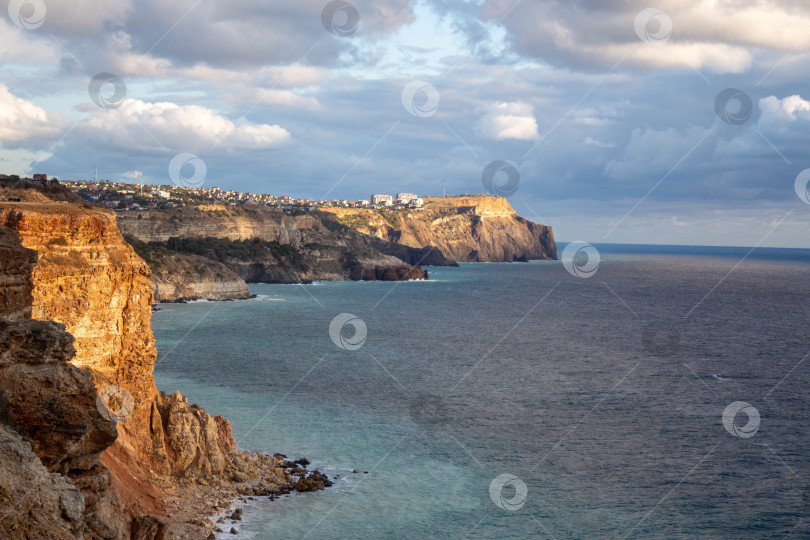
(464, 228)
(204, 251)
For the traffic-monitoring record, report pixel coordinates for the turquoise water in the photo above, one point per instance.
(519, 369)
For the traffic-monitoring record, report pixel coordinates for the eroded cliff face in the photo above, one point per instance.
(16, 265)
(327, 244)
(134, 450)
(178, 277)
(215, 221)
(475, 228)
(90, 280)
(52, 434)
(258, 244)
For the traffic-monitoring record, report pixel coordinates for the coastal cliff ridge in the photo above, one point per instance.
(163, 464)
(465, 228)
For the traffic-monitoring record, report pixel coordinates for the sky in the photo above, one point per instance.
(613, 121)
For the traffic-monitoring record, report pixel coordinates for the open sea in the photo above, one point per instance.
(664, 396)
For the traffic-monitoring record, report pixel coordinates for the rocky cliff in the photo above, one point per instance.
(90, 280)
(178, 277)
(261, 244)
(52, 434)
(258, 244)
(15, 275)
(52, 484)
(82, 399)
(243, 222)
(474, 228)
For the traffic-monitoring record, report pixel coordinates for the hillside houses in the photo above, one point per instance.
(124, 196)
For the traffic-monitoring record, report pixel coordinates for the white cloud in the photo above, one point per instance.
(513, 120)
(783, 123)
(772, 24)
(257, 97)
(267, 86)
(720, 35)
(600, 144)
(22, 162)
(788, 109)
(23, 124)
(22, 46)
(291, 76)
(246, 33)
(295, 75)
(154, 126)
(118, 57)
(717, 57)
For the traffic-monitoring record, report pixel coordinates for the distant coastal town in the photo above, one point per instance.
(124, 196)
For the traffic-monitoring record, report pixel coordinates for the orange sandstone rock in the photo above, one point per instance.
(473, 228)
(87, 278)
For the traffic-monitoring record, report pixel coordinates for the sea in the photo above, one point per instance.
(644, 392)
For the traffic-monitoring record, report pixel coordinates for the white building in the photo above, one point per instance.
(405, 198)
(361, 203)
(386, 200)
(416, 202)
